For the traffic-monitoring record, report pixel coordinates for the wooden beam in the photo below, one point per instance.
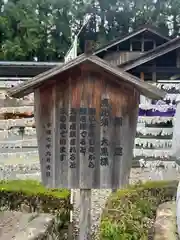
(145, 40)
(153, 54)
(150, 69)
(22, 71)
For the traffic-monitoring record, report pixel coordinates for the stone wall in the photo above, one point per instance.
(29, 226)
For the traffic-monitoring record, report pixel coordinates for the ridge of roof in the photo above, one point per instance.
(152, 54)
(29, 86)
(128, 36)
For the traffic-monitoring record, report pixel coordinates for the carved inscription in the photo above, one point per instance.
(63, 134)
(48, 149)
(72, 138)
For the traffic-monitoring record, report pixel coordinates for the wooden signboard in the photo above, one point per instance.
(86, 115)
(86, 131)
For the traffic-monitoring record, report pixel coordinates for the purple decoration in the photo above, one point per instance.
(142, 112)
(169, 113)
(151, 113)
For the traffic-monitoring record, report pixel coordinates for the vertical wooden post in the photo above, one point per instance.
(70, 228)
(142, 98)
(154, 44)
(85, 194)
(178, 59)
(142, 76)
(85, 214)
(154, 73)
(131, 46)
(142, 44)
(154, 76)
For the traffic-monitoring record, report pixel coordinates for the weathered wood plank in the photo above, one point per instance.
(87, 132)
(73, 139)
(117, 140)
(92, 125)
(85, 214)
(61, 170)
(132, 132)
(45, 131)
(117, 58)
(106, 149)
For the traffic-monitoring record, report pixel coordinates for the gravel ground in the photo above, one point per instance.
(99, 197)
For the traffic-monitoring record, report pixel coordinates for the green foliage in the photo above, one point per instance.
(128, 213)
(32, 188)
(31, 196)
(44, 29)
(35, 29)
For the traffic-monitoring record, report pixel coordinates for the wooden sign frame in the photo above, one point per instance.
(86, 115)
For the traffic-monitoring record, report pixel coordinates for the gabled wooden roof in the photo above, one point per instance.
(129, 36)
(144, 88)
(150, 55)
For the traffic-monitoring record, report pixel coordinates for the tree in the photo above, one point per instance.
(44, 29)
(35, 29)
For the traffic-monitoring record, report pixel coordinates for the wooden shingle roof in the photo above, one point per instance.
(150, 55)
(129, 36)
(144, 88)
